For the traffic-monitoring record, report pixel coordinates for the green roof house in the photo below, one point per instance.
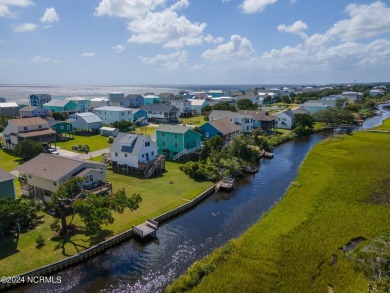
(175, 141)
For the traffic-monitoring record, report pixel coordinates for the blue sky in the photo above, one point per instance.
(132, 42)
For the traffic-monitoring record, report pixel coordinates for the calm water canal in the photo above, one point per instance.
(150, 267)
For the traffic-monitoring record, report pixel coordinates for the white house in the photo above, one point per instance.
(242, 120)
(184, 107)
(285, 119)
(111, 114)
(314, 106)
(198, 104)
(99, 102)
(42, 175)
(85, 121)
(135, 151)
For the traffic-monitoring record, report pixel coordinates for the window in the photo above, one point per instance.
(163, 143)
(163, 134)
(62, 127)
(25, 128)
(116, 154)
(143, 155)
(39, 126)
(68, 127)
(147, 144)
(175, 135)
(175, 144)
(90, 178)
(207, 134)
(122, 113)
(152, 153)
(125, 155)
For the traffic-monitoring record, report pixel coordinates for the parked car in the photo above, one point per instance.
(52, 151)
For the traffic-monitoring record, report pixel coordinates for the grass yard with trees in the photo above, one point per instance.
(304, 243)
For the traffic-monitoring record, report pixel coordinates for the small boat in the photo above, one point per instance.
(251, 169)
(265, 154)
(227, 183)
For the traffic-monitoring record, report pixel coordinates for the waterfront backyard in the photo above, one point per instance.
(159, 195)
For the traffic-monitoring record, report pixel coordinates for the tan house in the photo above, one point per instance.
(42, 175)
(36, 129)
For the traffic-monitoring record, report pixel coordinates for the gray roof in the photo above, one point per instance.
(288, 113)
(88, 117)
(301, 110)
(57, 103)
(129, 143)
(160, 108)
(6, 176)
(258, 115)
(219, 114)
(317, 103)
(133, 96)
(224, 125)
(173, 128)
(112, 108)
(30, 108)
(53, 167)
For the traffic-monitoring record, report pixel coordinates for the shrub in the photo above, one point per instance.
(40, 241)
(110, 139)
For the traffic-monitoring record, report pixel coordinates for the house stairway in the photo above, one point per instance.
(159, 164)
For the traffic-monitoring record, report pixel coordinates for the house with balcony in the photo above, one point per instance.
(36, 129)
(33, 111)
(41, 176)
(151, 99)
(243, 120)
(37, 100)
(111, 114)
(161, 113)
(61, 106)
(83, 104)
(222, 127)
(261, 119)
(62, 128)
(135, 152)
(314, 106)
(285, 119)
(177, 141)
(197, 105)
(85, 121)
(184, 106)
(10, 109)
(7, 187)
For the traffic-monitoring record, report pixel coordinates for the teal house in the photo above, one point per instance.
(62, 128)
(176, 141)
(62, 106)
(7, 187)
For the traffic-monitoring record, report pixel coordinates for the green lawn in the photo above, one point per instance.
(8, 161)
(146, 130)
(95, 142)
(384, 126)
(158, 196)
(196, 120)
(296, 246)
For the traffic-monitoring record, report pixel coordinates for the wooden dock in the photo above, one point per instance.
(146, 229)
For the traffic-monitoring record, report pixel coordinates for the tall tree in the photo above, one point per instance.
(246, 104)
(94, 210)
(28, 149)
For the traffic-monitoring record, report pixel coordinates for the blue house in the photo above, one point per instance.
(7, 188)
(151, 99)
(222, 127)
(140, 116)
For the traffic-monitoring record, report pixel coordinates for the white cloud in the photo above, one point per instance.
(5, 5)
(237, 48)
(88, 54)
(253, 6)
(50, 16)
(168, 28)
(179, 5)
(297, 27)
(293, 1)
(41, 59)
(169, 61)
(127, 8)
(365, 21)
(24, 27)
(198, 66)
(119, 48)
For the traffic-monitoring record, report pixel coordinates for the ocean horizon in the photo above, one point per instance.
(21, 92)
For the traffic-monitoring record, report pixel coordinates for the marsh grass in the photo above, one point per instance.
(295, 246)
